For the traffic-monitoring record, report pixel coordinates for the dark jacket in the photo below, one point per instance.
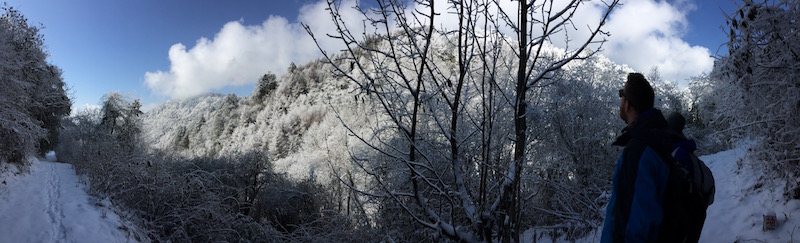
(635, 209)
(684, 149)
(683, 153)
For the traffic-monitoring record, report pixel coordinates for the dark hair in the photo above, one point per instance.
(639, 92)
(676, 121)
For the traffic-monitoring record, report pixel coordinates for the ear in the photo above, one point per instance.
(626, 105)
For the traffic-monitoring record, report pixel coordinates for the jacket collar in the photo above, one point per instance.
(688, 144)
(643, 127)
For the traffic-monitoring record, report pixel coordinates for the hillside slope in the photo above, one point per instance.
(293, 116)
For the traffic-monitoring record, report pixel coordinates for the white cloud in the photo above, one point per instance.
(644, 34)
(239, 54)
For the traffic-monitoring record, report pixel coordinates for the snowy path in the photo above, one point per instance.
(49, 205)
(737, 212)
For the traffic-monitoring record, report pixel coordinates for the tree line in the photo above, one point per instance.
(33, 97)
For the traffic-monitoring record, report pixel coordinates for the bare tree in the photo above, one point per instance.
(425, 82)
(537, 23)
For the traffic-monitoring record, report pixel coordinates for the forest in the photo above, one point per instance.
(411, 133)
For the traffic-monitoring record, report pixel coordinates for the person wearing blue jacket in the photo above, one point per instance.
(635, 211)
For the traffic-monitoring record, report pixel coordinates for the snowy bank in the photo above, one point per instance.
(742, 199)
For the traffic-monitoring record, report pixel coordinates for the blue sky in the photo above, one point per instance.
(155, 50)
(706, 23)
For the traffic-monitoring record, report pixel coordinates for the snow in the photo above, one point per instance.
(737, 212)
(51, 156)
(48, 204)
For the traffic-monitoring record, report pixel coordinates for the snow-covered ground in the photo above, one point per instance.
(50, 205)
(737, 212)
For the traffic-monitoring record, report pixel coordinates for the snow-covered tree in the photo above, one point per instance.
(669, 98)
(425, 147)
(33, 97)
(235, 196)
(265, 87)
(756, 91)
(571, 154)
(120, 118)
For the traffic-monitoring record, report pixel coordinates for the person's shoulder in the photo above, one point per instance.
(640, 149)
(634, 148)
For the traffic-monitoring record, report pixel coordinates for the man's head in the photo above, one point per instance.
(676, 123)
(636, 97)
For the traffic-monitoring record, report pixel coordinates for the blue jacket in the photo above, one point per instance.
(684, 149)
(635, 212)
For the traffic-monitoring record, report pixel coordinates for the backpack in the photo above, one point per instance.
(700, 176)
(690, 190)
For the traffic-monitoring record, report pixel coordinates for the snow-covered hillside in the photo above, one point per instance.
(162, 120)
(293, 116)
(49, 204)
